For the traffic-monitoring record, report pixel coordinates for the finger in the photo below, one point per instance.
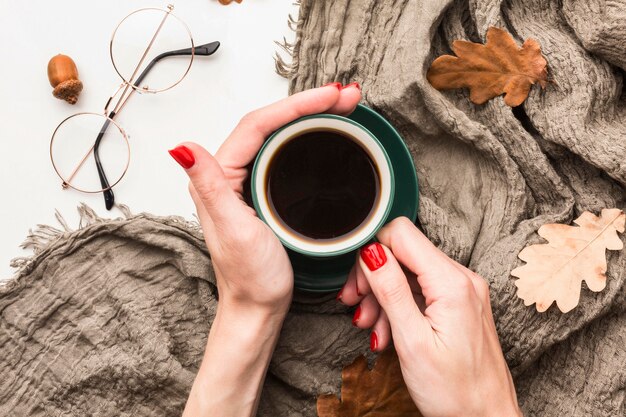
(412, 279)
(243, 144)
(213, 190)
(380, 337)
(436, 274)
(390, 286)
(415, 288)
(348, 294)
(367, 313)
(349, 97)
(203, 216)
(362, 286)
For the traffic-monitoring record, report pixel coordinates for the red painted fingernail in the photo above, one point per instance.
(339, 294)
(355, 84)
(373, 342)
(183, 156)
(336, 85)
(374, 256)
(357, 314)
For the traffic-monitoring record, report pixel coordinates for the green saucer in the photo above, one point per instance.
(327, 275)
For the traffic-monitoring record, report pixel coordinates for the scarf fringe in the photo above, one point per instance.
(44, 236)
(284, 68)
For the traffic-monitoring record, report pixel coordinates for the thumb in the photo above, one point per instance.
(211, 186)
(391, 288)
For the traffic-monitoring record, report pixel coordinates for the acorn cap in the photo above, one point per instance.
(68, 90)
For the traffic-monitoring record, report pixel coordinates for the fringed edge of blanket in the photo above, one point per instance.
(283, 68)
(45, 237)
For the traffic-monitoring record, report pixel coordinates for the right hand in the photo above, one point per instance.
(439, 316)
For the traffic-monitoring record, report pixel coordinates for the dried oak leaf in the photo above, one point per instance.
(497, 67)
(554, 271)
(380, 392)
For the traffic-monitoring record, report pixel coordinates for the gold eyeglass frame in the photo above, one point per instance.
(127, 89)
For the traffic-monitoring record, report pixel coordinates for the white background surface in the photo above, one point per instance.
(204, 107)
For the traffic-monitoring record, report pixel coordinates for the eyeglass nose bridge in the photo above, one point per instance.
(108, 103)
(127, 91)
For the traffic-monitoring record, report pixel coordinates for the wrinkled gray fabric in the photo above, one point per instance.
(490, 175)
(111, 319)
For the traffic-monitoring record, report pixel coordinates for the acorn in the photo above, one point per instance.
(63, 76)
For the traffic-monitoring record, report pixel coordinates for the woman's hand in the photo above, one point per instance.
(253, 273)
(251, 265)
(439, 316)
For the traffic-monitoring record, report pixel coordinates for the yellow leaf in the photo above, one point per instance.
(554, 271)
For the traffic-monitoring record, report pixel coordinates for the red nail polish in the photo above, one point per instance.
(355, 84)
(183, 156)
(373, 342)
(339, 294)
(374, 256)
(357, 314)
(336, 85)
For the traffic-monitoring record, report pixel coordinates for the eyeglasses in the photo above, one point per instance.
(85, 143)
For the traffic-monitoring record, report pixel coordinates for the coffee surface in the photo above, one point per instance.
(322, 185)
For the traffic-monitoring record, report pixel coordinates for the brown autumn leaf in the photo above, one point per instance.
(497, 67)
(227, 2)
(554, 271)
(380, 392)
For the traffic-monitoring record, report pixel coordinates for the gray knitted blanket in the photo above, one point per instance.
(111, 319)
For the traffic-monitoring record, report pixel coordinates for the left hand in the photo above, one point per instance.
(252, 267)
(253, 272)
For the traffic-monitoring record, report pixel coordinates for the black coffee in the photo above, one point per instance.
(322, 185)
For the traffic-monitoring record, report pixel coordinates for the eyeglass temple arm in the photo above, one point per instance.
(201, 50)
(109, 197)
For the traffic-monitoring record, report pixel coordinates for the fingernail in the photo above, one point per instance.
(339, 294)
(183, 156)
(355, 84)
(357, 314)
(373, 342)
(374, 256)
(336, 85)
